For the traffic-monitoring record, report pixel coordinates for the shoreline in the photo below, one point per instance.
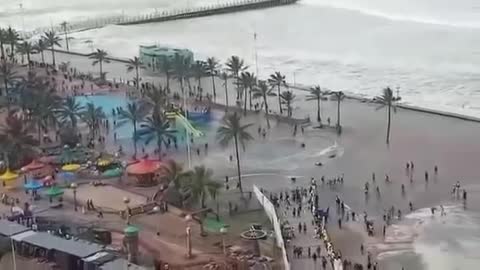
(351, 96)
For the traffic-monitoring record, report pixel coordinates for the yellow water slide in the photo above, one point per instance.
(185, 123)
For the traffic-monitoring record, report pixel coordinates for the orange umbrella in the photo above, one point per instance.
(144, 166)
(34, 165)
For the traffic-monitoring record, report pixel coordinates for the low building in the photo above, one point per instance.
(153, 56)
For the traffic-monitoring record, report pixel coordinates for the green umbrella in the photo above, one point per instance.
(54, 191)
(113, 172)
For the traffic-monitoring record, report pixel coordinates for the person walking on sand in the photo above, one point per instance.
(442, 211)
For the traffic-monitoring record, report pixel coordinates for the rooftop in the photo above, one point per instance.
(8, 228)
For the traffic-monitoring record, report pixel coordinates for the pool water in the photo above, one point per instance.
(125, 132)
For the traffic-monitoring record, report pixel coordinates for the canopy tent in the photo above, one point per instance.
(34, 165)
(54, 191)
(33, 185)
(113, 172)
(8, 176)
(71, 167)
(144, 166)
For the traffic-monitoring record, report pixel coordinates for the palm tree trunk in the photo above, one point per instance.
(159, 145)
(388, 124)
(318, 111)
(135, 138)
(2, 50)
(138, 80)
(338, 113)
(28, 59)
(250, 97)
(101, 70)
(53, 57)
(245, 101)
(12, 53)
(214, 90)
(279, 100)
(238, 165)
(226, 93)
(43, 57)
(39, 134)
(266, 111)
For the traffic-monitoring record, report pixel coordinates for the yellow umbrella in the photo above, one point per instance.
(104, 162)
(8, 176)
(71, 167)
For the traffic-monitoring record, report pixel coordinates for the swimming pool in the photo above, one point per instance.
(110, 103)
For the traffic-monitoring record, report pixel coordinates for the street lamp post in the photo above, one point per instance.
(126, 201)
(224, 231)
(74, 187)
(188, 230)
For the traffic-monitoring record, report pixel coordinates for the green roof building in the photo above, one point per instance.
(153, 56)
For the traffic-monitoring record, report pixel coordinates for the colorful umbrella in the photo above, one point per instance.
(34, 165)
(8, 176)
(145, 166)
(71, 167)
(113, 172)
(104, 162)
(33, 185)
(54, 191)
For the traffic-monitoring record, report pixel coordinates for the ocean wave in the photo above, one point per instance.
(395, 16)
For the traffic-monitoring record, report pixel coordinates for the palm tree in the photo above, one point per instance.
(166, 67)
(100, 57)
(247, 81)
(175, 174)
(135, 64)
(13, 38)
(156, 127)
(8, 74)
(235, 66)
(199, 71)
(339, 95)
(92, 116)
(316, 94)
(262, 90)
(65, 32)
(16, 139)
(212, 70)
(40, 47)
(224, 77)
(288, 97)
(3, 41)
(42, 112)
(26, 48)
(52, 40)
(387, 100)
(230, 129)
(202, 186)
(277, 80)
(70, 112)
(134, 113)
(156, 99)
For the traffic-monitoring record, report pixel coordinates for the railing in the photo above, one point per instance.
(159, 16)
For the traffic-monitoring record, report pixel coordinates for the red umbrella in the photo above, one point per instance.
(34, 165)
(144, 166)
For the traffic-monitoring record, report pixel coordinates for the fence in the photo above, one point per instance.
(160, 16)
(272, 215)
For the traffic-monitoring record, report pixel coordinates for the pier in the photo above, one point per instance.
(163, 16)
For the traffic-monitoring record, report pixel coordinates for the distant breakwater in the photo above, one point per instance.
(163, 16)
